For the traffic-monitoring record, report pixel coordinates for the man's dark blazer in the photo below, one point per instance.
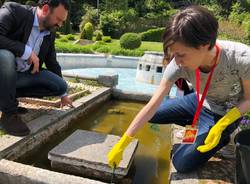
(16, 22)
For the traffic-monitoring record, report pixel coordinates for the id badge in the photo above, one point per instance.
(190, 135)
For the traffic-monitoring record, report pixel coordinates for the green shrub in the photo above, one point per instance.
(154, 35)
(218, 11)
(31, 3)
(247, 28)
(90, 15)
(103, 49)
(58, 35)
(236, 15)
(98, 44)
(87, 32)
(112, 23)
(70, 37)
(130, 41)
(69, 48)
(127, 52)
(98, 35)
(63, 39)
(106, 39)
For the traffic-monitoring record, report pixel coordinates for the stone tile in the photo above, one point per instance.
(88, 150)
(13, 173)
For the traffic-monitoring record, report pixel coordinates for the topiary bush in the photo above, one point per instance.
(154, 35)
(87, 32)
(89, 15)
(98, 35)
(130, 41)
(106, 39)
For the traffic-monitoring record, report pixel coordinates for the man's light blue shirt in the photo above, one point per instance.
(34, 43)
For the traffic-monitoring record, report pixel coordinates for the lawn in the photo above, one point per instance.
(145, 46)
(64, 45)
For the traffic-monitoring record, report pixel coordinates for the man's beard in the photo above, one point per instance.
(48, 26)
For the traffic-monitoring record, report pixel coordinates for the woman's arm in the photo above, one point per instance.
(149, 110)
(116, 153)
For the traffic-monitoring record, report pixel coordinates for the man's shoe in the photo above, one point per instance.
(22, 110)
(13, 125)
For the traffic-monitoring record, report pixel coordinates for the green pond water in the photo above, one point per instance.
(113, 117)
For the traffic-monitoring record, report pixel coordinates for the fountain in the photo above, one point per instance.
(150, 68)
(52, 127)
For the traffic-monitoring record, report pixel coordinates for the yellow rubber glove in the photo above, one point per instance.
(115, 155)
(214, 134)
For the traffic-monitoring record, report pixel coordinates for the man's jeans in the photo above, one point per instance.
(181, 111)
(24, 84)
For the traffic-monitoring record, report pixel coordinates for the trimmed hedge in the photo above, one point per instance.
(106, 39)
(130, 41)
(70, 37)
(103, 49)
(127, 52)
(63, 39)
(154, 35)
(69, 48)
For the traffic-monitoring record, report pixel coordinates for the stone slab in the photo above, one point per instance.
(108, 80)
(89, 150)
(13, 173)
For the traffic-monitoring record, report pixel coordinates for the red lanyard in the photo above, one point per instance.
(200, 102)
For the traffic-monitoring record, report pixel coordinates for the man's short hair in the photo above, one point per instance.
(54, 3)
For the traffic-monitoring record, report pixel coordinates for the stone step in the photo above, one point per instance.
(84, 153)
(17, 173)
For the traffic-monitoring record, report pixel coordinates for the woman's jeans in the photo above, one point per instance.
(15, 84)
(181, 111)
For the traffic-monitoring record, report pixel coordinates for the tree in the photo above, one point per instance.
(112, 5)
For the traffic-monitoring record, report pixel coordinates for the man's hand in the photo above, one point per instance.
(66, 101)
(33, 59)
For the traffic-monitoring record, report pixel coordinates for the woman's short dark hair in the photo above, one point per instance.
(54, 3)
(193, 26)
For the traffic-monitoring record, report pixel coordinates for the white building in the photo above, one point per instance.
(150, 68)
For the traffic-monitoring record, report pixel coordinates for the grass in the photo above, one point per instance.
(145, 46)
(64, 45)
(84, 81)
